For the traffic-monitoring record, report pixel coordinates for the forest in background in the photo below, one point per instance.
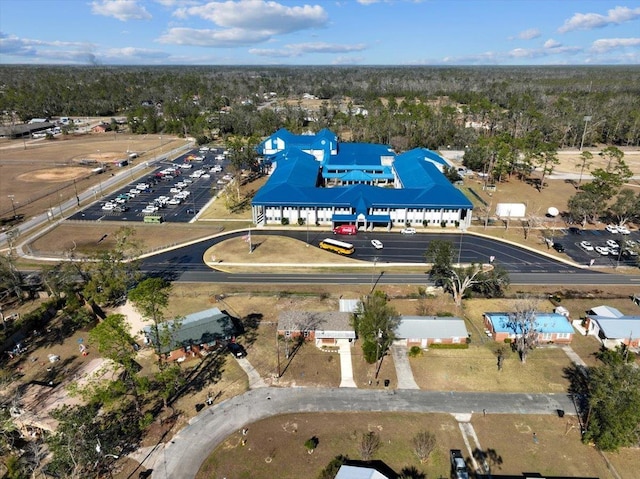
(404, 107)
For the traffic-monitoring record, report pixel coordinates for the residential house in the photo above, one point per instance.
(551, 327)
(423, 331)
(196, 334)
(612, 327)
(101, 128)
(329, 328)
(358, 472)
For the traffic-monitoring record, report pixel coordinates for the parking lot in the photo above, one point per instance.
(600, 247)
(173, 191)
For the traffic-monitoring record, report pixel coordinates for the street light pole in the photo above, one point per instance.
(307, 229)
(13, 205)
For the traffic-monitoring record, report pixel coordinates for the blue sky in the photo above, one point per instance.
(319, 32)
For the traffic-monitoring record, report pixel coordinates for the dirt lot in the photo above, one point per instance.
(42, 173)
(275, 446)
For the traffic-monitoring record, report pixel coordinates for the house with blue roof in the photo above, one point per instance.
(318, 180)
(551, 327)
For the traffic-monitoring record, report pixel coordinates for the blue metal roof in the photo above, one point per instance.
(293, 182)
(426, 155)
(351, 154)
(544, 323)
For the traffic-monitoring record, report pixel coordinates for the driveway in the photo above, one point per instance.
(184, 454)
(404, 372)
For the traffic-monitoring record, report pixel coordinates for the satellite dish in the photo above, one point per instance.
(553, 211)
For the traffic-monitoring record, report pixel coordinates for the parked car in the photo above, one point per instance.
(108, 206)
(377, 244)
(603, 250)
(586, 245)
(237, 350)
(121, 208)
(613, 244)
(612, 229)
(559, 247)
(623, 230)
(408, 231)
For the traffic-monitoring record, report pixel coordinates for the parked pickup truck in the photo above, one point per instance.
(458, 466)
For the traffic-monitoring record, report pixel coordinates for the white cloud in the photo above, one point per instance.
(529, 34)
(551, 43)
(133, 53)
(259, 15)
(589, 21)
(368, 2)
(606, 44)
(123, 10)
(245, 22)
(213, 38)
(296, 50)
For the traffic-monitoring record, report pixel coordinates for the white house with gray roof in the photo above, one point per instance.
(423, 331)
(612, 327)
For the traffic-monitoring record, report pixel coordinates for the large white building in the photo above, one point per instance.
(318, 180)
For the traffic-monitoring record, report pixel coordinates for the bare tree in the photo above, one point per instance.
(522, 323)
(369, 444)
(423, 445)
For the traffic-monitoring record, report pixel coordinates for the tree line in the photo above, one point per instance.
(405, 107)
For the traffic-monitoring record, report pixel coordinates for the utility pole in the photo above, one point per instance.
(379, 358)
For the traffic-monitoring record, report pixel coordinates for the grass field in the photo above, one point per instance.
(275, 446)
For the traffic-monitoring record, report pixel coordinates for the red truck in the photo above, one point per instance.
(345, 230)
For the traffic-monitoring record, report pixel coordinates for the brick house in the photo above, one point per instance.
(551, 327)
(196, 335)
(422, 331)
(324, 328)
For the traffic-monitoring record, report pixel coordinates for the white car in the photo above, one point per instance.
(227, 177)
(216, 169)
(206, 176)
(376, 244)
(174, 201)
(408, 231)
(175, 190)
(585, 245)
(623, 230)
(108, 207)
(134, 191)
(187, 166)
(612, 229)
(187, 181)
(150, 209)
(613, 244)
(603, 250)
(630, 244)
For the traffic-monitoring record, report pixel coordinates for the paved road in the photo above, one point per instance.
(185, 453)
